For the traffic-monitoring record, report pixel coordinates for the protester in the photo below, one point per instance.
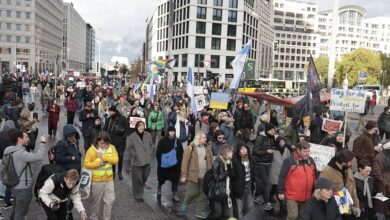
(171, 173)
(362, 116)
(363, 146)
(91, 133)
(242, 180)
(24, 124)
(337, 141)
(296, 180)
(322, 206)
(70, 104)
(365, 190)
(54, 116)
(384, 123)
(5, 141)
(182, 128)
(22, 192)
(274, 118)
(56, 192)
(316, 132)
(67, 150)
(140, 146)
(217, 142)
(227, 128)
(244, 123)
(339, 172)
(221, 204)
(291, 133)
(202, 125)
(156, 123)
(87, 117)
(197, 159)
(100, 158)
(116, 126)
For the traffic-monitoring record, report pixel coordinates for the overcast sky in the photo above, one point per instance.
(123, 22)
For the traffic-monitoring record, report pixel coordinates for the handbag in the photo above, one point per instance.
(85, 182)
(169, 159)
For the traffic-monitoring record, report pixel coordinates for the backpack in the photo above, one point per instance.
(169, 159)
(8, 174)
(208, 180)
(46, 171)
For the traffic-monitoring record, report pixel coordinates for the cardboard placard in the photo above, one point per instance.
(219, 100)
(331, 126)
(348, 100)
(133, 121)
(200, 102)
(321, 155)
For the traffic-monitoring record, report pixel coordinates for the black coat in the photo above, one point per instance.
(244, 120)
(363, 201)
(90, 135)
(263, 143)
(87, 122)
(117, 127)
(237, 180)
(172, 174)
(319, 210)
(220, 174)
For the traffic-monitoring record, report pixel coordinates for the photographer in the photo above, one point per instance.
(56, 191)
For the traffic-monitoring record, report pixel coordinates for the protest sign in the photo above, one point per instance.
(331, 126)
(80, 84)
(200, 102)
(348, 100)
(321, 155)
(198, 90)
(219, 100)
(133, 121)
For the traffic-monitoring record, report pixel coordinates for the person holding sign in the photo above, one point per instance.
(363, 146)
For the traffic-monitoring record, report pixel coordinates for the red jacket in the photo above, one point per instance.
(297, 178)
(71, 104)
(54, 114)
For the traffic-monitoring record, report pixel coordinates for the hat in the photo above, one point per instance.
(371, 124)
(323, 183)
(269, 126)
(112, 109)
(338, 133)
(89, 104)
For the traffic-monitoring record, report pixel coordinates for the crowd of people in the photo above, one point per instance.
(231, 161)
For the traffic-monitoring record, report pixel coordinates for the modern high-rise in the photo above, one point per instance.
(74, 39)
(30, 35)
(90, 47)
(211, 31)
(295, 40)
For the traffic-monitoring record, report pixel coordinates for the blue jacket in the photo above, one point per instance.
(65, 150)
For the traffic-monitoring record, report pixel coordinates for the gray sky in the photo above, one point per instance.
(123, 22)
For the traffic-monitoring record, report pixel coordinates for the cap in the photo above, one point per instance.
(371, 124)
(323, 183)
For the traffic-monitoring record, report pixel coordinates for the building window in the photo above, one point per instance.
(28, 15)
(216, 29)
(18, 27)
(218, 3)
(200, 27)
(231, 44)
(18, 14)
(9, 26)
(215, 43)
(28, 27)
(214, 61)
(200, 42)
(229, 60)
(184, 60)
(203, 2)
(28, 39)
(199, 60)
(217, 14)
(18, 39)
(233, 3)
(8, 2)
(8, 13)
(18, 2)
(231, 31)
(232, 16)
(201, 13)
(8, 38)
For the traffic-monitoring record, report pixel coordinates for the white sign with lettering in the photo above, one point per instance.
(348, 100)
(321, 155)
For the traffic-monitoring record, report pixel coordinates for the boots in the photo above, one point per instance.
(175, 198)
(159, 193)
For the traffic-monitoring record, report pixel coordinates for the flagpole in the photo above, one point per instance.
(236, 93)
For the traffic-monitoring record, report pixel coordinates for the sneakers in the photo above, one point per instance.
(7, 205)
(268, 206)
(202, 215)
(259, 200)
(183, 207)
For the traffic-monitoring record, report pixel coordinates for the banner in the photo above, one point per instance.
(348, 100)
(219, 100)
(133, 121)
(198, 90)
(331, 126)
(200, 102)
(321, 155)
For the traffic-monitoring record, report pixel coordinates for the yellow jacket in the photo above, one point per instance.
(92, 162)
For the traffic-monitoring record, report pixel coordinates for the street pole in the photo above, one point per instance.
(55, 77)
(100, 40)
(332, 51)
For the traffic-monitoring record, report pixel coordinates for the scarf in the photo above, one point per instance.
(225, 162)
(366, 188)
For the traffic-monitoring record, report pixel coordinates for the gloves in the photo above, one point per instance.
(355, 211)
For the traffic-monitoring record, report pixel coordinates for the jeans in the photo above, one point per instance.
(195, 191)
(8, 195)
(22, 199)
(246, 202)
(220, 210)
(261, 180)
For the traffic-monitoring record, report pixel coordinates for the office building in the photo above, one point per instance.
(90, 48)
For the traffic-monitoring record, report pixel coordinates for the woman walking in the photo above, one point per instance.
(139, 144)
(54, 115)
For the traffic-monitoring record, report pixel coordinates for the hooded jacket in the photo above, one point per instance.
(65, 150)
(263, 143)
(280, 154)
(117, 127)
(238, 175)
(384, 122)
(5, 141)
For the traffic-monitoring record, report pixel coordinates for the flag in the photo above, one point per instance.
(311, 102)
(238, 64)
(190, 90)
(165, 63)
(150, 88)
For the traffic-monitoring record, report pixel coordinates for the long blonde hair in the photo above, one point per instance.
(197, 137)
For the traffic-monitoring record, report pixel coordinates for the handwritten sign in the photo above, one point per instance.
(331, 126)
(200, 102)
(348, 100)
(134, 120)
(321, 155)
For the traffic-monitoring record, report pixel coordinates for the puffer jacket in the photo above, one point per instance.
(244, 120)
(263, 143)
(384, 122)
(156, 121)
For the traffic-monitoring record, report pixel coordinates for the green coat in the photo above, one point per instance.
(156, 126)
